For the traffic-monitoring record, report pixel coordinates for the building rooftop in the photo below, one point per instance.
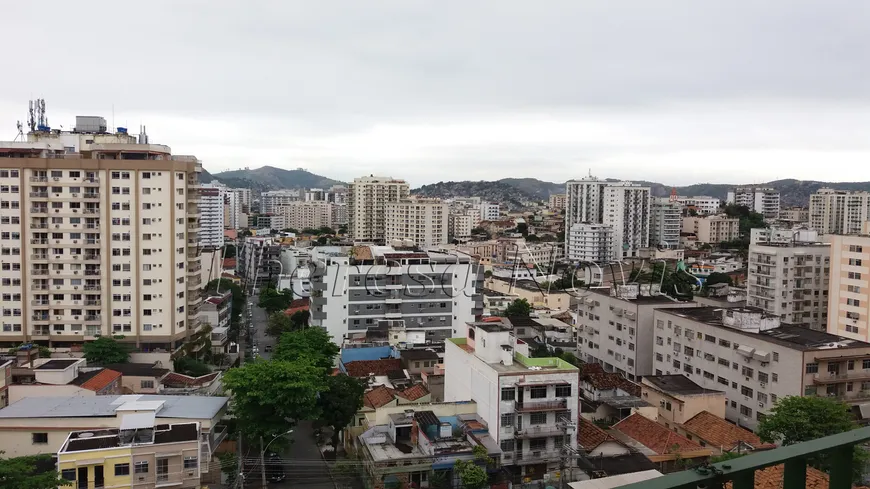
(80, 441)
(175, 379)
(654, 436)
(677, 385)
(521, 362)
(419, 354)
(138, 369)
(610, 380)
(58, 364)
(184, 407)
(365, 368)
(786, 335)
(100, 380)
(589, 435)
(719, 433)
(641, 299)
(378, 397)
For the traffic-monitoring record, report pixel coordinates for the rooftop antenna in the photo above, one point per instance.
(20, 131)
(31, 118)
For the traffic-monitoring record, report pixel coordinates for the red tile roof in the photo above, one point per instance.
(654, 436)
(101, 380)
(362, 368)
(176, 379)
(229, 263)
(378, 397)
(719, 433)
(413, 393)
(607, 381)
(589, 435)
(297, 305)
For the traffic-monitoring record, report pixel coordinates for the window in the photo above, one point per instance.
(563, 390)
(745, 411)
(709, 338)
(775, 356)
(508, 393)
(813, 368)
(762, 377)
(723, 381)
(190, 462)
(724, 362)
(68, 474)
(748, 372)
(507, 419)
(775, 377)
(538, 418)
(140, 467)
(122, 469)
(507, 445)
(689, 351)
(746, 391)
(39, 438)
(538, 392)
(147, 384)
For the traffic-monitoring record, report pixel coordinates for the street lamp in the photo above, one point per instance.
(263, 454)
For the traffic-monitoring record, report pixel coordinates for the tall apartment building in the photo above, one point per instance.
(763, 200)
(756, 359)
(790, 281)
(614, 328)
(839, 211)
(665, 223)
(712, 229)
(367, 205)
(795, 216)
(99, 237)
(353, 289)
(558, 201)
(311, 214)
(489, 211)
(528, 403)
(849, 295)
(702, 204)
(211, 208)
(423, 221)
(257, 261)
(590, 243)
(459, 226)
(237, 206)
(623, 206)
(269, 201)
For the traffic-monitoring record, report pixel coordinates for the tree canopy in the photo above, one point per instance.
(229, 251)
(32, 472)
(519, 307)
(105, 350)
(273, 301)
(271, 397)
(191, 366)
(472, 473)
(673, 282)
(796, 419)
(718, 278)
(312, 344)
(340, 402)
(748, 219)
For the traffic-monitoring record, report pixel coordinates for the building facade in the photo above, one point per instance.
(269, 201)
(310, 214)
(702, 204)
(712, 229)
(557, 202)
(367, 203)
(258, 261)
(211, 208)
(665, 223)
(489, 211)
(100, 237)
(790, 281)
(590, 243)
(623, 206)
(756, 360)
(528, 403)
(423, 221)
(762, 200)
(849, 296)
(839, 211)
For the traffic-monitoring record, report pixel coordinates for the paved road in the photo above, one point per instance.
(261, 339)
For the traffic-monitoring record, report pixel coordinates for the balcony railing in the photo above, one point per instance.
(530, 406)
(741, 471)
(537, 456)
(539, 432)
(831, 378)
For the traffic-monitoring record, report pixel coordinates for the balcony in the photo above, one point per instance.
(38, 179)
(93, 318)
(39, 210)
(37, 241)
(92, 273)
(39, 272)
(541, 431)
(537, 456)
(39, 317)
(90, 181)
(93, 257)
(533, 407)
(93, 287)
(90, 195)
(93, 303)
(741, 471)
(39, 195)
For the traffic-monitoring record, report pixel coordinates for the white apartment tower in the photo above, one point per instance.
(211, 207)
(839, 211)
(423, 221)
(590, 243)
(790, 281)
(269, 201)
(367, 204)
(489, 211)
(623, 206)
(665, 223)
(763, 200)
(100, 237)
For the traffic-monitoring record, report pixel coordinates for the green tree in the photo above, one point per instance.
(300, 319)
(31, 472)
(325, 230)
(748, 219)
(519, 307)
(271, 397)
(290, 230)
(532, 238)
(487, 274)
(105, 350)
(673, 283)
(191, 366)
(718, 278)
(273, 301)
(340, 402)
(310, 231)
(230, 251)
(472, 473)
(312, 344)
(796, 419)
(523, 228)
(278, 324)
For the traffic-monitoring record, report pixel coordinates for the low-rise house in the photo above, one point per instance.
(140, 378)
(371, 368)
(712, 431)
(606, 456)
(678, 398)
(662, 446)
(40, 425)
(177, 384)
(46, 377)
(610, 397)
(495, 302)
(141, 454)
(419, 360)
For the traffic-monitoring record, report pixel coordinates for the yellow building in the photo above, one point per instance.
(140, 455)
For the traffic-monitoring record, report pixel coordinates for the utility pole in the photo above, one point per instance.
(567, 453)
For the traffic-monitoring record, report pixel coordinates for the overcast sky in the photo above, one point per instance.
(673, 91)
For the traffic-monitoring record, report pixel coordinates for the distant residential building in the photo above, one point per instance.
(257, 260)
(459, 226)
(590, 243)
(795, 215)
(623, 206)
(703, 205)
(423, 221)
(839, 211)
(775, 235)
(529, 400)
(367, 204)
(762, 200)
(757, 360)
(848, 304)
(275, 222)
(489, 211)
(558, 201)
(665, 223)
(309, 214)
(712, 229)
(269, 201)
(679, 399)
(211, 220)
(790, 281)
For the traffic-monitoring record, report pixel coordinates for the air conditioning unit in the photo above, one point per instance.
(56, 179)
(761, 404)
(76, 287)
(76, 318)
(57, 210)
(75, 210)
(763, 385)
(57, 241)
(75, 272)
(57, 287)
(75, 195)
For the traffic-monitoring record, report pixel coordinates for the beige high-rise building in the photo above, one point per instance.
(424, 221)
(367, 202)
(558, 201)
(307, 214)
(100, 236)
(848, 293)
(712, 229)
(838, 211)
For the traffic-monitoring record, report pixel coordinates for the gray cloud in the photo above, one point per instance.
(453, 90)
